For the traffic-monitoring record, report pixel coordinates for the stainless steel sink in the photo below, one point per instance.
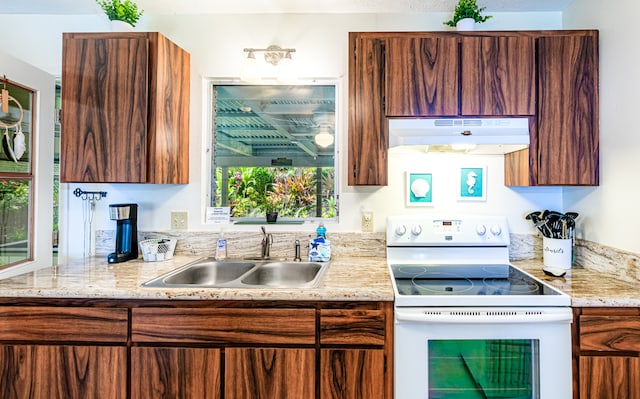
(209, 273)
(284, 274)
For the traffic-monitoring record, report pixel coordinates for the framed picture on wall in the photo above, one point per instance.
(419, 189)
(473, 184)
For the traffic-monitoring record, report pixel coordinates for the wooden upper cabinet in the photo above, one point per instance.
(368, 130)
(422, 76)
(125, 109)
(565, 148)
(549, 76)
(497, 76)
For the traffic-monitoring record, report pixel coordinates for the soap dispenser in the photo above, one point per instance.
(320, 247)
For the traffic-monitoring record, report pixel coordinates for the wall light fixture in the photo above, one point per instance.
(278, 57)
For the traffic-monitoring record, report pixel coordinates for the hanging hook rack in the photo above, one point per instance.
(90, 195)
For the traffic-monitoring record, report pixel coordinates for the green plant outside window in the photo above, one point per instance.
(265, 155)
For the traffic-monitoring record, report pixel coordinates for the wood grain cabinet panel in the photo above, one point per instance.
(498, 76)
(63, 372)
(175, 373)
(352, 374)
(274, 373)
(422, 76)
(125, 109)
(352, 327)
(609, 333)
(608, 377)
(202, 325)
(368, 138)
(63, 324)
(565, 149)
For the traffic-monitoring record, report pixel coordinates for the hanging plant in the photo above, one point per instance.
(467, 9)
(117, 10)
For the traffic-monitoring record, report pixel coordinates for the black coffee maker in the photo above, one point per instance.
(126, 216)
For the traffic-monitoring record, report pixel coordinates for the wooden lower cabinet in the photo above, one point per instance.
(607, 353)
(352, 373)
(63, 372)
(175, 373)
(274, 373)
(195, 349)
(609, 377)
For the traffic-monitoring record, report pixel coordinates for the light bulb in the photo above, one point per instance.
(250, 72)
(323, 139)
(286, 69)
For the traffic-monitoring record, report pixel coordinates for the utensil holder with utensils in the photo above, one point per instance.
(557, 252)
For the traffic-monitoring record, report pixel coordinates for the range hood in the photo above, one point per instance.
(468, 135)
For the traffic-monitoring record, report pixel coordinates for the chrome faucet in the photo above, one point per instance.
(267, 240)
(297, 257)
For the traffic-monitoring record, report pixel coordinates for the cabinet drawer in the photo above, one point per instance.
(246, 326)
(26, 323)
(352, 327)
(610, 333)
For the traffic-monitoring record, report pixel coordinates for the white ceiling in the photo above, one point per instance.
(159, 7)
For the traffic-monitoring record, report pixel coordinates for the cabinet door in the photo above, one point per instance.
(498, 76)
(62, 372)
(609, 377)
(274, 373)
(104, 105)
(368, 131)
(422, 76)
(352, 373)
(175, 373)
(566, 144)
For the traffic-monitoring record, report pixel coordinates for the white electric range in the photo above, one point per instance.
(468, 323)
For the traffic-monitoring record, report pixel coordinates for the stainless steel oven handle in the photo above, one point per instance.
(483, 318)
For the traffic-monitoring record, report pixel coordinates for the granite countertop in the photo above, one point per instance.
(588, 288)
(346, 279)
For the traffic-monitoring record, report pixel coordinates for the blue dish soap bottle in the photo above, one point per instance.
(320, 247)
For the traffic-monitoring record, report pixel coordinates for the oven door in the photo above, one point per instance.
(483, 353)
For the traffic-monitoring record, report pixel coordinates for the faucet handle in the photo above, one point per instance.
(297, 257)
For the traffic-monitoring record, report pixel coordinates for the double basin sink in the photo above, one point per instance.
(260, 273)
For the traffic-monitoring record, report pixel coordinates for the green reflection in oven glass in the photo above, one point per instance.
(469, 369)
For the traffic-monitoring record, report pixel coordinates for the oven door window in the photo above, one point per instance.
(502, 368)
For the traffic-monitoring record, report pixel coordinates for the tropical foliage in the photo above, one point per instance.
(292, 192)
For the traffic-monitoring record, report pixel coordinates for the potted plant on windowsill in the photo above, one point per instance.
(121, 12)
(466, 15)
(274, 203)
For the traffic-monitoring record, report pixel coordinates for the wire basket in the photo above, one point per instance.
(154, 250)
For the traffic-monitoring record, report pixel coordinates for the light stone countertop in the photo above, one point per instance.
(588, 288)
(346, 279)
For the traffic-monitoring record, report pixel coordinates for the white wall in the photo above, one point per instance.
(43, 85)
(611, 210)
(215, 43)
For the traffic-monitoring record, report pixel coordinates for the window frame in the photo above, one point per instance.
(29, 176)
(211, 142)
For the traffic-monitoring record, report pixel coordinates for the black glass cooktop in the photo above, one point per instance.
(466, 280)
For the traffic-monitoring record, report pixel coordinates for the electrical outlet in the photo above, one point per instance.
(366, 223)
(179, 220)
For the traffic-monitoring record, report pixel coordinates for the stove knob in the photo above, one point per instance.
(481, 230)
(496, 230)
(416, 230)
(400, 230)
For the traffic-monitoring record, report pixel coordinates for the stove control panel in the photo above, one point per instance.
(426, 230)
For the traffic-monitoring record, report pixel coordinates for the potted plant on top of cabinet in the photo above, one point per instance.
(125, 13)
(466, 15)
